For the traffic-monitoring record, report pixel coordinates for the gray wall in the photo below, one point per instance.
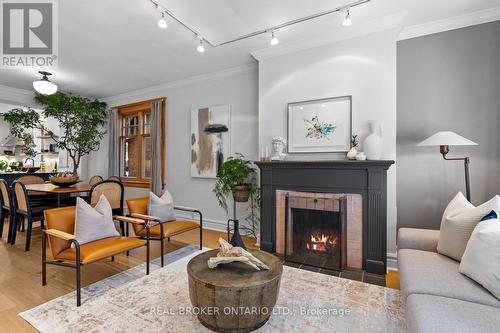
(447, 81)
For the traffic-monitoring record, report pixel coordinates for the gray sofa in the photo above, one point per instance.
(438, 297)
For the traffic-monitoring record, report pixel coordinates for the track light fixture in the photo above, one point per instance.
(274, 39)
(162, 23)
(347, 20)
(200, 47)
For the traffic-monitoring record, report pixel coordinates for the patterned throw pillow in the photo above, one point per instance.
(457, 226)
(491, 216)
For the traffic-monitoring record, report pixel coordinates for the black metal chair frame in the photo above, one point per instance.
(77, 265)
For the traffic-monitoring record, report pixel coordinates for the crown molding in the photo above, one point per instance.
(451, 23)
(17, 96)
(249, 68)
(393, 21)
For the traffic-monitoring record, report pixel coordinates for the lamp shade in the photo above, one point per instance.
(446, 138)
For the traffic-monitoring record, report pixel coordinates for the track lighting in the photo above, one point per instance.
(200, 47)
(162, 23)
(347, 20)
(44, 86)
(274, 39)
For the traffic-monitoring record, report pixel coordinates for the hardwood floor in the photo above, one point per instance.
(20, 273)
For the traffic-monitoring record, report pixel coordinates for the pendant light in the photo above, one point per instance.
(44, 86)
(162, 23)
(274, 39)
(347, 20)
(200, 47)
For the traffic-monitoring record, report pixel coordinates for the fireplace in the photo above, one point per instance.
(315, 233)
(364, 182)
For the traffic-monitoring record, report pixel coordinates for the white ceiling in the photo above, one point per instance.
(107, 47)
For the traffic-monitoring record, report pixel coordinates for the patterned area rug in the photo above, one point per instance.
(133, 302)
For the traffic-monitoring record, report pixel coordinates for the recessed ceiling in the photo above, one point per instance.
(115, 46)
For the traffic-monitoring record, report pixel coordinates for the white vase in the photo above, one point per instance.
(351, 154)
(372, 145)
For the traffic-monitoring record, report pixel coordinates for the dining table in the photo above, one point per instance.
(59, 191)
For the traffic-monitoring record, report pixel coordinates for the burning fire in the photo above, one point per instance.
(322, 243)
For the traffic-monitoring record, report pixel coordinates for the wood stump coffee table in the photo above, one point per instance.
(233, 297)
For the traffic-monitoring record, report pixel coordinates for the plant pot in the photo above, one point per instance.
(241, 193)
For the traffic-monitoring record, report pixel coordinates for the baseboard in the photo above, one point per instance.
(392, 261)
(209, 224)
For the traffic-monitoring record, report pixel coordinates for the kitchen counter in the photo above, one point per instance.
(10, 177)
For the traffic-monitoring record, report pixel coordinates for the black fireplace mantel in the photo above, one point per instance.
(367, 178)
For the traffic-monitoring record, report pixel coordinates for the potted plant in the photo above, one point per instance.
(81, 119)
(237, 176)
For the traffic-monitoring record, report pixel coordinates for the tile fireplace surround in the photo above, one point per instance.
(364, 181)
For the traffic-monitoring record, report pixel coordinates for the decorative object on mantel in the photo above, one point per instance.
(210, 140)
(279, 145)
(83, 121)
(360, 156)
(320, 126)
(228, 253)
(351, 154)
(446, 139)
(373, 142)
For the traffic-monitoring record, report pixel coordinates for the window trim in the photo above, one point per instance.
(140, 108)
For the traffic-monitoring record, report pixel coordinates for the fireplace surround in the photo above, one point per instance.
(365, 178)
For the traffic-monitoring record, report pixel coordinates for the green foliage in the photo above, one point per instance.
(81, 120)
(236, 171)
(354, 141)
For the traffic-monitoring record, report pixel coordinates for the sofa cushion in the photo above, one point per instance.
(422, 272)
(428, 314)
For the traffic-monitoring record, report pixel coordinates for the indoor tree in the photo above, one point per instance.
(81, 120)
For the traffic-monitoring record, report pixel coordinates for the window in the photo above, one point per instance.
(135, 144)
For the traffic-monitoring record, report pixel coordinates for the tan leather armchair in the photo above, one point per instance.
(138, 208)
(59, 232)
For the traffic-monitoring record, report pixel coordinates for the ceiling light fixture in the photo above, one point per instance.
(347, 20)
(44, 86)
(274, 39)
(200, 47)
(162, 23)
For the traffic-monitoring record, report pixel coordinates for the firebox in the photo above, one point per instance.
(316, 237)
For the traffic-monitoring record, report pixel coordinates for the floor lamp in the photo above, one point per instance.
(446, 139)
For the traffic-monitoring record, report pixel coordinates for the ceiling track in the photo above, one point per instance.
(162, 9)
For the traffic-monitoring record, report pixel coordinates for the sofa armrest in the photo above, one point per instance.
(418, 239)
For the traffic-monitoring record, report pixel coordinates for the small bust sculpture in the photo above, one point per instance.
(279, 145)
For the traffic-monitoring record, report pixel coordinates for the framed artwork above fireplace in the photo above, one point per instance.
(320, 126)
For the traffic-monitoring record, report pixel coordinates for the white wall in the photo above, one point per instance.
(364, 67)
(237, 88)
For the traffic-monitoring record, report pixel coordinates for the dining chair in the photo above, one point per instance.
(36, 198)
(68, 252)
(138, 208)
(24, 211)
(113, 191)
(115, 178)
(5, 208)
(95, 179)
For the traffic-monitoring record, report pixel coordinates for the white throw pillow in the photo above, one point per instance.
(456, 228)
(481, 259)
(161, 207)
(94, 223)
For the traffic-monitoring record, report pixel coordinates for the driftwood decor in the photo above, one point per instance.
(228, 253)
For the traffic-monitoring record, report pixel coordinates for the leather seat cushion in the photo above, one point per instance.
(170, 228)
(100, 249)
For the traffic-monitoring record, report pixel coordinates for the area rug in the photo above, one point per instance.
(133, 302)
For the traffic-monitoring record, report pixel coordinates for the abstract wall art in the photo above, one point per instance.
(320, 126)
(210, 140)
